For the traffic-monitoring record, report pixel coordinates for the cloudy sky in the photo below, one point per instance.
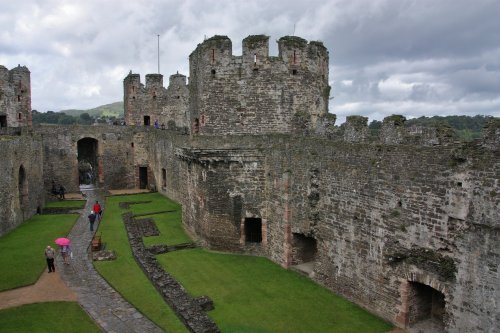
(410, 57)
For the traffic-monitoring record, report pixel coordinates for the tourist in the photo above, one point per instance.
(49, 256)
(157, 125)
(65, 253)
(97, 210)
(62, 190)
(92, 218)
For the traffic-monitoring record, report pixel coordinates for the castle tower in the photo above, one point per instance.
(255, 93)
(131, 88)
(15, 97)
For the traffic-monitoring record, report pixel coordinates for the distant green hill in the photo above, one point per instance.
(108, 110)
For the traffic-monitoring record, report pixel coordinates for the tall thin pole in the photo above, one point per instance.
(158, 54)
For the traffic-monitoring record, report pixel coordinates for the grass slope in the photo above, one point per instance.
(253, 294)
(22, 249)
(51, 317)
(123, 273)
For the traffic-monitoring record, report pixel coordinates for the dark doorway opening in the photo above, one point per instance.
(22, 187)
(253, 230)
(304, 249)
(147, 121)
(143, 177)
(3, 121)
(87, 161)
(426, 307)
(163, 178)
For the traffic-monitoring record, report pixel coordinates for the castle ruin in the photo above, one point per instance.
(406, 224)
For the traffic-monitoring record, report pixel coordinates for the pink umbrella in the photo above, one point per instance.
(62, 241)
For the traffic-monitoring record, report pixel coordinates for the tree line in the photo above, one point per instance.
(466, 127)
(61, 118)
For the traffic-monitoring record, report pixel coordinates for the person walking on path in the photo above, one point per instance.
(97, 210)
(65, 253)
(49, 256)
(92, 218)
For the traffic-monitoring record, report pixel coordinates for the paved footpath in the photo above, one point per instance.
(106, 306)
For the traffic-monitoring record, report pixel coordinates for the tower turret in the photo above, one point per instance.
(15, 97)
(132, 88)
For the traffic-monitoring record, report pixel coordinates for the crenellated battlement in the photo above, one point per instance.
(256, 93)
(152, 102)
(295, 55)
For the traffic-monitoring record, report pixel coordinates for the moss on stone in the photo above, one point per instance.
(425, 259)
(293, 41)
(397, 119)
(254, 41)
(326, 92)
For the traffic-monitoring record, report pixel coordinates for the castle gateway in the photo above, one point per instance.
(405, 224)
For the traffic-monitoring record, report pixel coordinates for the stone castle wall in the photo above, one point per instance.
(381, 215)
(256, 93)
(15, 97)
(168, 105)
(21, 186)
(115, 155)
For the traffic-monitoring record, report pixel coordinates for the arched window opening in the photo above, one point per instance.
(196, 125)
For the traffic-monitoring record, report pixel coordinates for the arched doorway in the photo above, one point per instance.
(423, 308)
(87, 161)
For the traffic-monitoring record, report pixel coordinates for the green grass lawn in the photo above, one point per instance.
(66, 204)
(47, 317)
(22, 249)
(123, 273)
(171, 231)
(253, 294)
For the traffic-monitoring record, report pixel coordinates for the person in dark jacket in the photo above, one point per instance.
(92, 217)
(49, 256)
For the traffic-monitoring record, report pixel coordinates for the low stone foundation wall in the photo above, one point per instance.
(189, 310)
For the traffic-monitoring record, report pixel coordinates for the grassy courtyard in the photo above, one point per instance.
(123, 273)
(23, 254)
(251, 294)
(51, 317)
(23, 248)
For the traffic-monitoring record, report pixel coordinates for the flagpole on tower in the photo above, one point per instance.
(158, 54)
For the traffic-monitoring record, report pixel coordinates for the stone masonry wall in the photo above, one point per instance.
(19, 200)
(15, 97)
(381, 215)
(255, 93)
(168, 105)
(115, 155)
